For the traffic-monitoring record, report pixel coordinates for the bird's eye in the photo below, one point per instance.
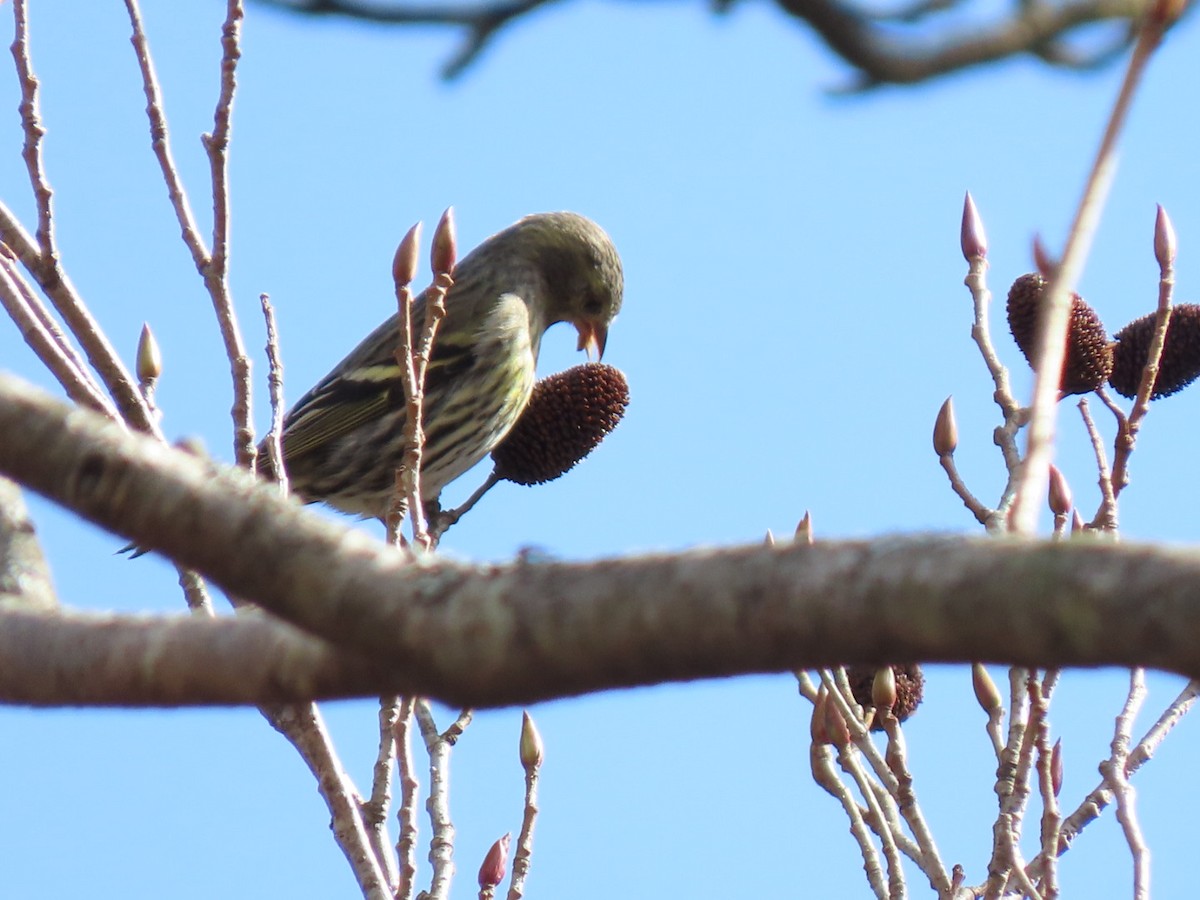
(593, 304)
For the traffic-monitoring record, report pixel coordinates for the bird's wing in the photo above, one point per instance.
(366, 385)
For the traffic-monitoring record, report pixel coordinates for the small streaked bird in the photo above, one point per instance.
(344, 439)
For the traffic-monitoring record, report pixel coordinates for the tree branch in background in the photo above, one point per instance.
(25, 582)
(886, 47)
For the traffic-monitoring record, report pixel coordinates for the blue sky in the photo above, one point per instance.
(794, 317)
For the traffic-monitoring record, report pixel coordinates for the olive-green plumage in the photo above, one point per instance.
(344, 439)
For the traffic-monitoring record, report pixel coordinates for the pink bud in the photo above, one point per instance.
(945, 430)
(532, 750)
(444, 252)
(404, 266)
(883, 688)
(835, 725)
(986, 693)
(816, 725)
(972, 235)
(1164, 239)
(495, 864)
(1060, 498)
(149, 357)
(1056, 767)
(804, 530)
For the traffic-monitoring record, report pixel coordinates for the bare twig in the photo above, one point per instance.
(824, 774)
(441, 843)
(1051, 818)
(1128, 431)
(447, 518)
(212, 266)
(22, 306)
(34, 132)
(406, 814)
(974, 245)
(375, 810)
(407, 493)
(413, 357)
(1116, 775)
(1106, 515)
(531, 760)
(1008, 788)
(275, 391)
(303, 726)
(41, 258)
(930, 860)
(848, 760)
(1056, 305)
(1095, 802)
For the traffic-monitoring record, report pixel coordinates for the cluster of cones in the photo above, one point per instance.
(1093, 359)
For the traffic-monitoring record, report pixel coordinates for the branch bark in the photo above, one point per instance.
(474, 635)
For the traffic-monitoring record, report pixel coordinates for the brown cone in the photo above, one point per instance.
(1089, 353)
(910, 689)
(568, 415)
(1180, 363)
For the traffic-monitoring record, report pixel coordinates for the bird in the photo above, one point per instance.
(343, 441)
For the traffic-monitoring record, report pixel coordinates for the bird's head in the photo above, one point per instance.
(582, 273)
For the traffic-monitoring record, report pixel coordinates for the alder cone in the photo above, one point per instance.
(1089, 359)
(568, 415)
(1180, 362)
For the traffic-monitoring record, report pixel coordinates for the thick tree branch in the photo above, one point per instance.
(74, 659)
(492, 635)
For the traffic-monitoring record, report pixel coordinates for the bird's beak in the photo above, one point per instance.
(592, 337)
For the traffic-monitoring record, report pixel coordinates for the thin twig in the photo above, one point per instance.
(849, 762)
(216, 273)
(983, 514)
(41, 258)
(1127, 434)
(930, 859)
(1004, 847)
(441, 843)
(898, 795)
(19, 301)
(212, 268)
(303, 726)
(1106, 516)
(406, 813)
(1051, 817)
(1014, 417)
(1095, 802)
(824, 774)
(31, 151)
(272, 442)
(1115, 773)
(523, 854)
(407, 491)
(413, 357)
(444, 520)
(1056, 305)
(375, 810)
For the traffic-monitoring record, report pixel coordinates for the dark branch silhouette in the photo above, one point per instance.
(892, 46)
